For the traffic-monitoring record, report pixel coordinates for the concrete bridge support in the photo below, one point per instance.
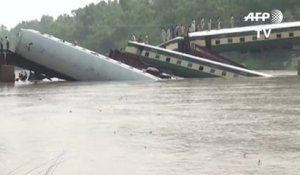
(298, 67)
(7, 72)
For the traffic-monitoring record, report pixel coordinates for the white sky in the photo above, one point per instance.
(14, 11)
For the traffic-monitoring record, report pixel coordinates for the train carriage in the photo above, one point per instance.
(285, 35)
(185, 65)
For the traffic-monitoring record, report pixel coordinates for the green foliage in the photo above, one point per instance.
(104, 26)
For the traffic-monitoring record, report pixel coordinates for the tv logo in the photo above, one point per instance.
(275, 17)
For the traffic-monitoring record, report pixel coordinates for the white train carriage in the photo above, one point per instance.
(74, 61)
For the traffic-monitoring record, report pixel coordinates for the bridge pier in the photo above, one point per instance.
(7, 72)
(298, 67)
(2, 59)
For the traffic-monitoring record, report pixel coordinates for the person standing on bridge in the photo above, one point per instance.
(168, 34)
(193, 26)
(177, 30)
(202, 23)
(232, 21)
(140, 39)
(163, 35)
(1, 46)
(209, 24)
(146, 40)
(132, 38)
(181, 30)
(198, 27)
(7, 43)
(219, 22)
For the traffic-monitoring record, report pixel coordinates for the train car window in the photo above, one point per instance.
(201, 68)
(242, 40)
(278, 35)
(218, 42)
(190, 65)
(147, 54)
(254, 38)
(229, 40)
(224, 73)
(212, 71)
(168, 59)
(179, 62)
(157, 56)
(291, 34)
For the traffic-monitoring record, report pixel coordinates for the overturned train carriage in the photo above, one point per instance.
(73, 61)
(186, 65)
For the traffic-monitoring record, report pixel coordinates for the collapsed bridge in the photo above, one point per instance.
(53, 57)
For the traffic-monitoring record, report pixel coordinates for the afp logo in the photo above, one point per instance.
(275, 17)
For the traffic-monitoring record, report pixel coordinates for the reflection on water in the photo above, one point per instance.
(239, 126)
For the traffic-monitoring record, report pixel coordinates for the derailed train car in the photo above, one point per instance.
(74, 61)
(186, 65)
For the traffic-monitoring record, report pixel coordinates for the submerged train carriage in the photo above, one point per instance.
(73, 61)
(186, 65)
(184, 45)
(172, 44)
(285, 35)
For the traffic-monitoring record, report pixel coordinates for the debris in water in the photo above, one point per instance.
(259, 163)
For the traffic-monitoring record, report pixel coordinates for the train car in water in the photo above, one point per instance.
(284, 35)
(185, 65)
(73, 61)
(184, 45)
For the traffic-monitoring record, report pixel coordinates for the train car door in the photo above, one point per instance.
(208, 42)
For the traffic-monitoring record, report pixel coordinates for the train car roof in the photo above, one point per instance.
(244, 29)
(174, 40)
(94, 54)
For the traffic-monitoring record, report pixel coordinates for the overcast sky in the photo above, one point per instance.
(14, 11)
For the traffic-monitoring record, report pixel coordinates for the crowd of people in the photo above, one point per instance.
(200, 24)
(140, 39)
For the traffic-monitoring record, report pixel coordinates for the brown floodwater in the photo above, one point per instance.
(213, 126)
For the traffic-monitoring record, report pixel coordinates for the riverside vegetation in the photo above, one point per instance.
(108, 25)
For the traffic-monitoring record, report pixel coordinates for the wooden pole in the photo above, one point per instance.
(298, 67)
(7, 73)
(2, 59)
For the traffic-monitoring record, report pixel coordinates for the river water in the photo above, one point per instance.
(213, 126)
